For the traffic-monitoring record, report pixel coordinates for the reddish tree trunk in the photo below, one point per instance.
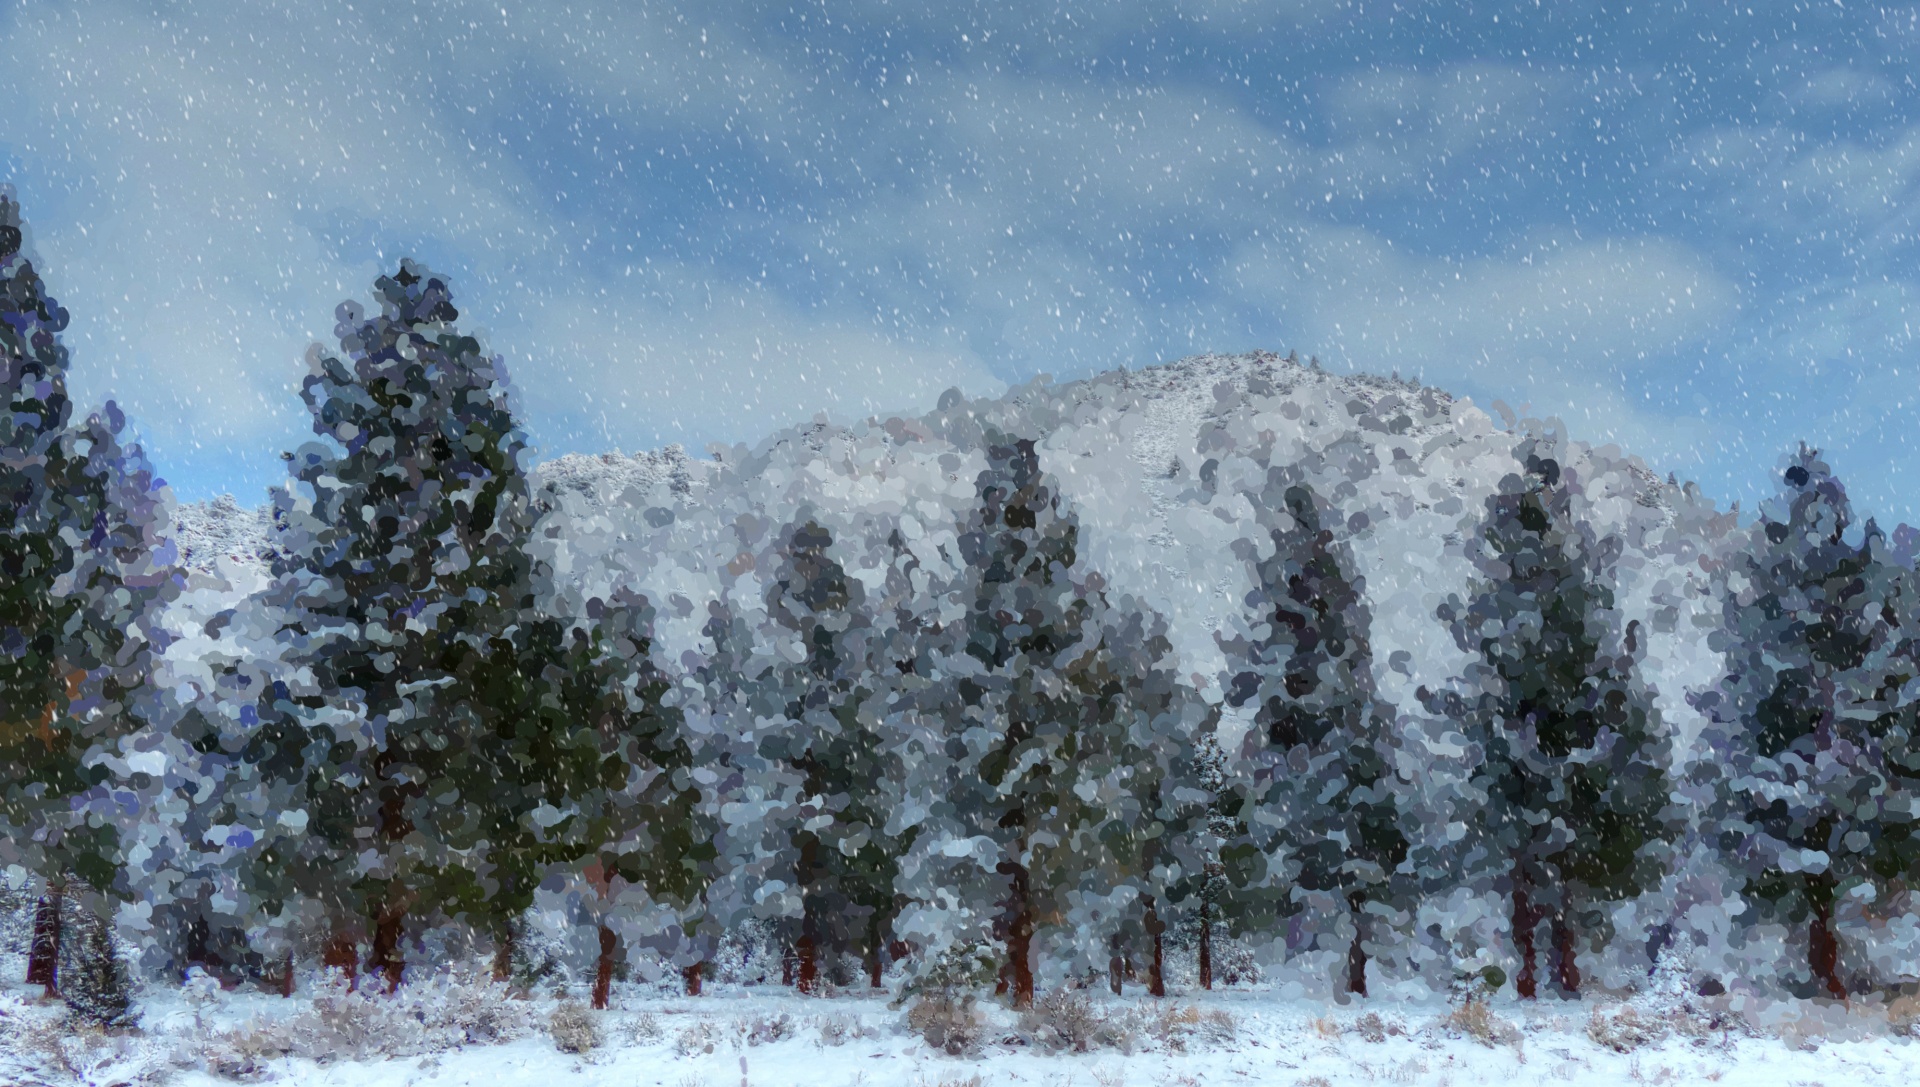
(603, 970)
(1524, 919)
(286, 975)
(1823, 950)
(503, 954)
(1116, 971)
(1206, 945)
(1356, 954)
(874, 965)
(1020, 937)
(1156, 971)
(808, 979)
(1566, 945)
(43, 956)
(789, 958)
(385, 957)
(341, 954)
(691, 975)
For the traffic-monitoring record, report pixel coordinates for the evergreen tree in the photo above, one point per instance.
(1025, 726)
(1320, 791)
(81, 570)
(100, 989)
(1813, 723)
(843, 862)
(1571, 786)
(403, 544)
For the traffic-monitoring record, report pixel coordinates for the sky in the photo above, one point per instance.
(1689, 228)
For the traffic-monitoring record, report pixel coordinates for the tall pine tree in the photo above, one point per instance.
(1320, 788)
(81, 570)
(1572, 796)
(403, 542)
(1812, 722)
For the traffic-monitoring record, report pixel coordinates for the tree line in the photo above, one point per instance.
(964, 769)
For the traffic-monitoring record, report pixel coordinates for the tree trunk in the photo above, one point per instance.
(1566, 946)
(1823, 950)
(691, 975)
(286, 975)
(385, 957)
(503, 953)
(1156, 972)
(603, 969)
(808, 979)
(1206, 944)
(1020, 937)
(1356, 954)
(1116, 968)
(874, 965)
(789, 959)
(1524, 918)
(43, 957)
(341, 954)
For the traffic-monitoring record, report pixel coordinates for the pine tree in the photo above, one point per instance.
(843, 863)
(590, 772)
(403, 537)
(81, 571)
(100, 988)
(1812, 732)
(1024, 726)
(1571, 784)
(1321, 794)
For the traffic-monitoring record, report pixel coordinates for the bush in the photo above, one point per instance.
(701, 1037)
(1624, 1028)
(1372, 1028)
(422, 1017)
(573, 1028)
(952, 1024)
(98, 988)
(1475, 1019)
(1067, 1019)
(767, 1029)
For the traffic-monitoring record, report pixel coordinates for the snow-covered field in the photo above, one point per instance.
(772, 1038)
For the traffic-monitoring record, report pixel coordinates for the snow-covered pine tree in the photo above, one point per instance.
(1571, 791)
(1810, 710)
(403, 541)
(843, 865)
(99, 987)
(1148, 784)
(1023, 732)
(80, 517)
(1320, 796)
(598, 776)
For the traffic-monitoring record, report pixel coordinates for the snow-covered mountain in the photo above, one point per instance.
(1147, 458)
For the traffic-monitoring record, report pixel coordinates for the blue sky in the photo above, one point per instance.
(1686, 227)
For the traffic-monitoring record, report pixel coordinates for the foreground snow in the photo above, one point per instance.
(775, 1039)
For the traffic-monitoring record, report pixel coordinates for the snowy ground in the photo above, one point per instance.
(775, 1039)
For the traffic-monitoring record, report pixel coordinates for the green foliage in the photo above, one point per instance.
(97, 987)
(1571, 794)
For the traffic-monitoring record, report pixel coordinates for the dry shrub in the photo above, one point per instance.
(1327, 1028)
(1372, 1028)
(1903, 1015)
(1625, 1028)
(645, 1029)
(838, 1030)
(573, 1028)
(949, 1023)
(47, 1045)
(767, 1029)
(1064, 1019)
(1475, 1019)
(701, 1037)
(1316, 1081)
(955, 1081)
(243, 1054)
(1176, 1028)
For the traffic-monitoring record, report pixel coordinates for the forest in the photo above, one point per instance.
(904, 730)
